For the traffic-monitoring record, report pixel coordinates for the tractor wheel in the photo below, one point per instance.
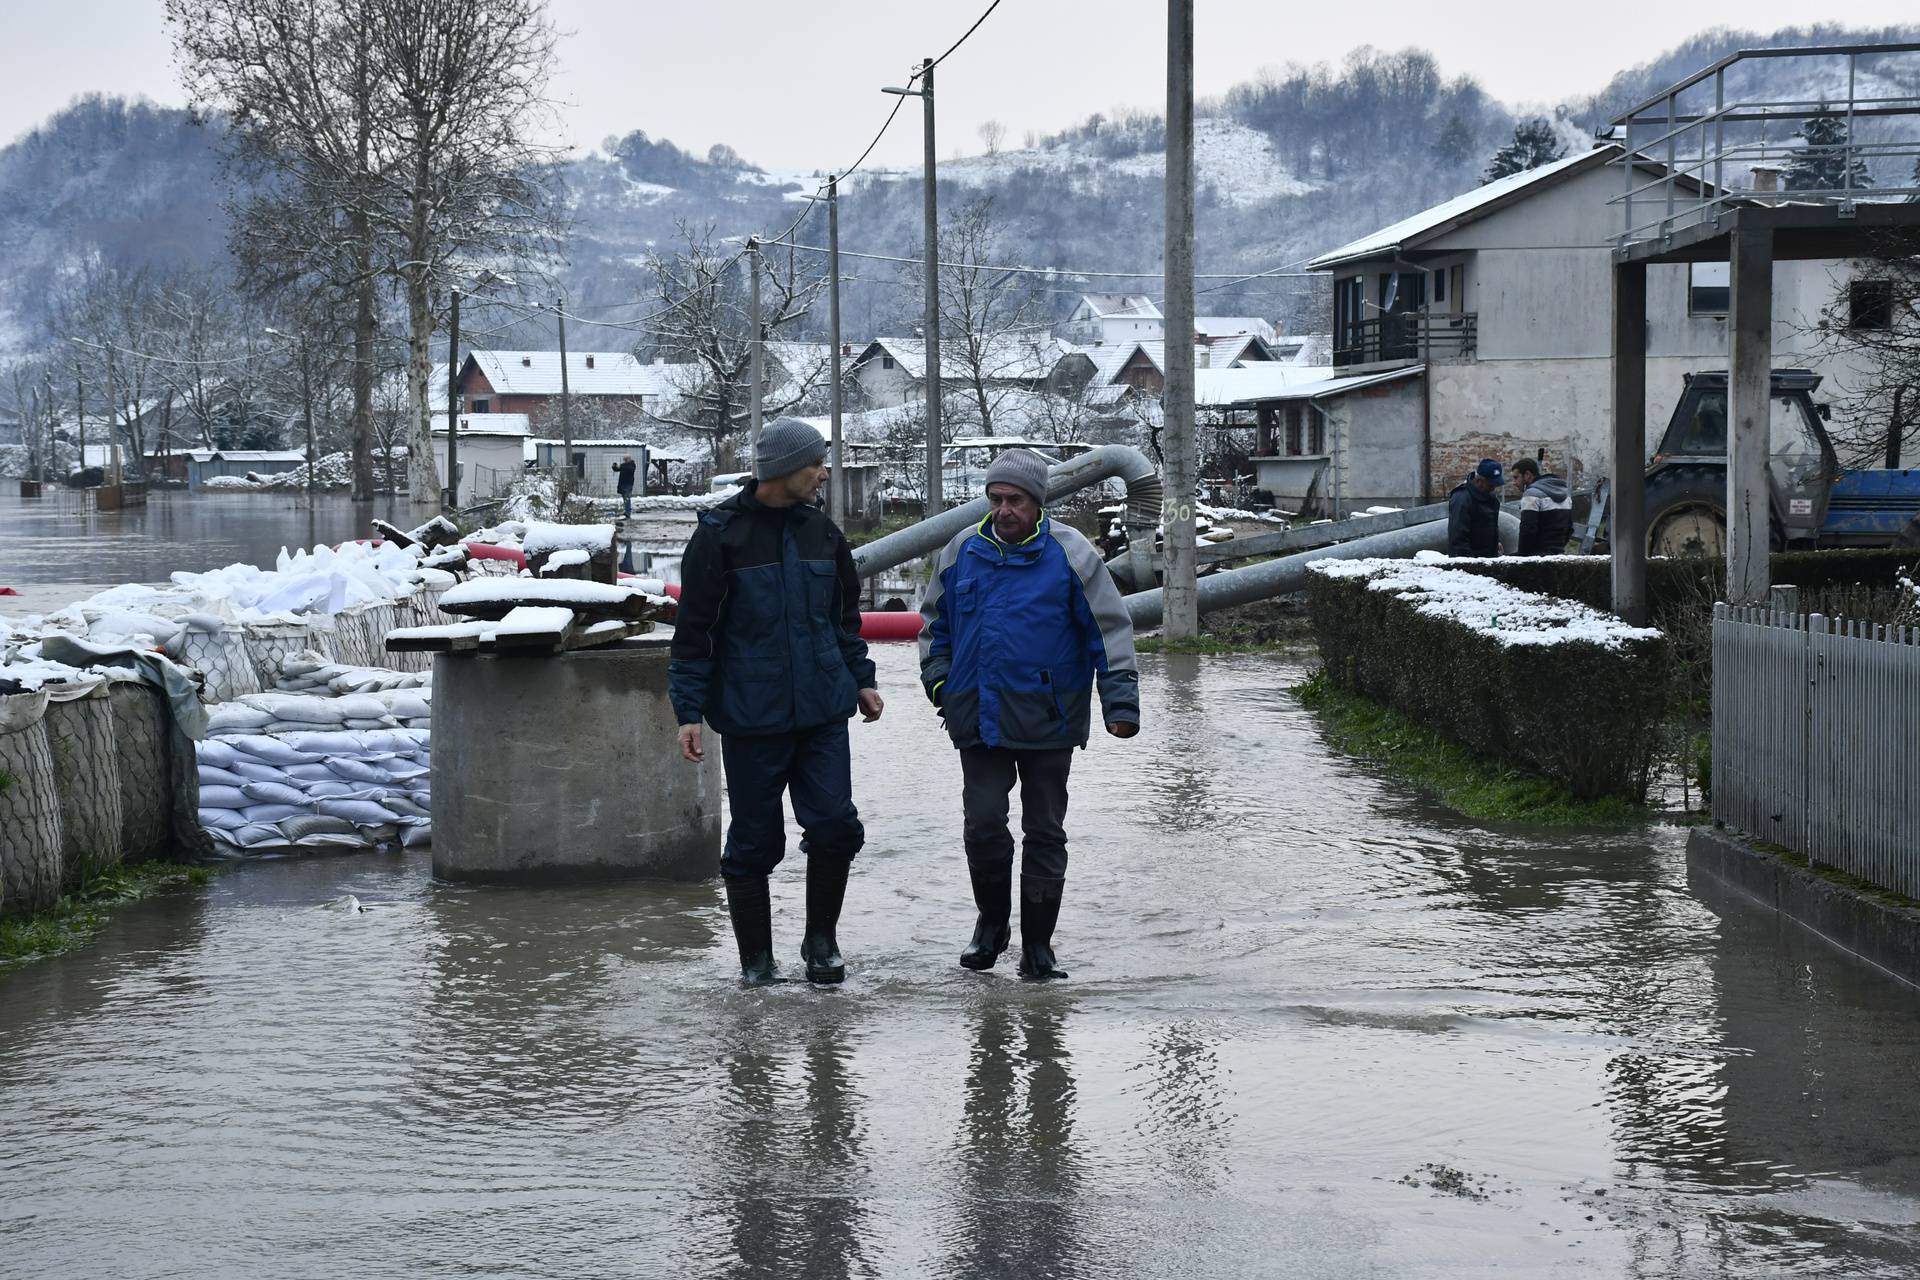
(1687, 514)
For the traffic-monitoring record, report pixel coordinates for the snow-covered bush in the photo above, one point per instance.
(1542, 682)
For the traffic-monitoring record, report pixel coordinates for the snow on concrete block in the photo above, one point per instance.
(565, 558)
(542, 538)
(493, 597)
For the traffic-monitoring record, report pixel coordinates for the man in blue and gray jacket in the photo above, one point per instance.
(1019, 622)
(767, 649)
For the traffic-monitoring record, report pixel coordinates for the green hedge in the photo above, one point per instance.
(1675, 584)
(1581, 712)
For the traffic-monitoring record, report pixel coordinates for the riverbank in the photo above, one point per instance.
(80, 914)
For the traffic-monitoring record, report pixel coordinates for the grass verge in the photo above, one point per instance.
(1472, 785)
(78, 916)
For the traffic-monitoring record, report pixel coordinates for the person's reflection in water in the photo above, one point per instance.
(1020, 1173)
(793, 1159)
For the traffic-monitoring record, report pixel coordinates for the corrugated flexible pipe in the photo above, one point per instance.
(1104, 462)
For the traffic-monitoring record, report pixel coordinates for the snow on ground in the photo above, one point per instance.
(1238, 162)
(1487, 605)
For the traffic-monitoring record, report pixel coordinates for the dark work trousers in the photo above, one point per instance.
(813, 764)
(626, 497)
(987, 775)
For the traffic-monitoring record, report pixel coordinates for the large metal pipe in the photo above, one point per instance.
(1106, 462)
(1289, 573)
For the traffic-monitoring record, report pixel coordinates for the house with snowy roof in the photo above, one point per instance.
(893, 371)
(1111, 318)
(610, 392)
(1481, 327)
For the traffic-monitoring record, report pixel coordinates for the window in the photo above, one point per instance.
(1316, 431)
(1707, 289)
(1440, 284)
(1456, 280)
(886, 362)
(1870, 304)
(1293, 429)
(478, 406)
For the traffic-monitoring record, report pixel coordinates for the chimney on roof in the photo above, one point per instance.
(526, 362)
(1766, 178)
(589, 360)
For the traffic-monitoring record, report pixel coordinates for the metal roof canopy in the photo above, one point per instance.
(1801, 232)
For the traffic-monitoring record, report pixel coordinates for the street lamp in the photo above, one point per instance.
(935, 498)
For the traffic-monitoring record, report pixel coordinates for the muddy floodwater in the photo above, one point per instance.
(1315, 1027)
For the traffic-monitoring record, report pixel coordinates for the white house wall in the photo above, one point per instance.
(487, 463)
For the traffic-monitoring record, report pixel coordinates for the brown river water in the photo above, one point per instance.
(1315, 1027)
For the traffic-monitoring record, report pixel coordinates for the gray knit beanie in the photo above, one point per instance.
(786, 445)
(1022, 468)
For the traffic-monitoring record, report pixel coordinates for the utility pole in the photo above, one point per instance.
(566, 414)
(306, 409)
(1182, 595)
(836, 479)
(79, 413)
(113, 442)
(755, 374)
(936, 498)
(453, 399)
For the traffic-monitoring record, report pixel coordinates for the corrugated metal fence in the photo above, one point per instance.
(1816, 738)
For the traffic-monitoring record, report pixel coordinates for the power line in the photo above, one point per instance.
(957, 43)
(1279, 272)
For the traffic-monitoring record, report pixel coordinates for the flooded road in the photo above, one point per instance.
(1315, 1028)
(59, 538)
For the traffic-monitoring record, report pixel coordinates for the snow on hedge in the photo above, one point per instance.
(1494, 609)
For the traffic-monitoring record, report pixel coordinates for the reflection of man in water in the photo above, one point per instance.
(1019, 623)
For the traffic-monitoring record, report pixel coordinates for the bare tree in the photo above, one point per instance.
(295, 81)
(705, 321)
(1871, 323)
(993, 330)
(992, 134)
(465, 80)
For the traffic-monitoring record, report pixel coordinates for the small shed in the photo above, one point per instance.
(594, 462)
(204, 464)
(492, 451)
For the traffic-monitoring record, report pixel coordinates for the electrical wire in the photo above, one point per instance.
(1282, 271)
(957, 43)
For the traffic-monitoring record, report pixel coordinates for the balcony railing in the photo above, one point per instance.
(1407, 335)
(1716, 146)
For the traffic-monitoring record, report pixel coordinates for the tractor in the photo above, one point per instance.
(1815, 501)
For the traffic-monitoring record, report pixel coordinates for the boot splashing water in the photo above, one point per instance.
(826, 890)
(751, 909)
(1039, 912)
(993, 896)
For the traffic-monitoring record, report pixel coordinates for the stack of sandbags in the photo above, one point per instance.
(310, 672)
(319, 788)
(268, 642)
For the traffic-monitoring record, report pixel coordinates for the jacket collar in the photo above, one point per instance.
(1025, 549)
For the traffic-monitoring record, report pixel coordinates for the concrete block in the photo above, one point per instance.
(560, 769)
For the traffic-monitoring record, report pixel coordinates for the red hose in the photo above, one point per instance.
(894, 625)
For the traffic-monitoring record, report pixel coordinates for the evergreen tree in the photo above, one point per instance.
(1455, 142)
(1533, 145)
(1823, 163)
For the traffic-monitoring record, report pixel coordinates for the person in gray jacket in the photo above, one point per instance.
(1019, 623)
(1546, 510)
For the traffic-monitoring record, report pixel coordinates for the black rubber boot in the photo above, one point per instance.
(752, 912)
(993, 895)
(1039, 912)
(826, 890)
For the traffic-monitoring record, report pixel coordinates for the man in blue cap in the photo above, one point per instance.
(767, 649)
(1473, 512)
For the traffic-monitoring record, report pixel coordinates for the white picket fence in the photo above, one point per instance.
(1816, 738)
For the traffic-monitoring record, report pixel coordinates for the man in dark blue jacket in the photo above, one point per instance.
(767, 649)
(1473, 512)
(1020, 620)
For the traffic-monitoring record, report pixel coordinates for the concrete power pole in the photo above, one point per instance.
(837, 480)
(1182, 595)
(453, 403)
(936, 497)
(755, 366)
(566, 414)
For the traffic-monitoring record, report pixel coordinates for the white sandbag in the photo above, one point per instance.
(327, 743)
(223, 798)
(256, 771)
(267, 644)
(333, 840)
(396, 741)
(357, 770)
(258, 836)
(417, 837)
(359, 812)
(315, 772)
(235, 717)
(213, 777)
(269, 814)
(310, 710)
(384, 722)
(337, 789)
(404, 770)
(261, 746)
(407, 704)
(222, 819)
(273, 793)
(312, 824)
(217, 754)
(404, 808)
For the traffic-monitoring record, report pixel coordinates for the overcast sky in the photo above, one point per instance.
(796, 84)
